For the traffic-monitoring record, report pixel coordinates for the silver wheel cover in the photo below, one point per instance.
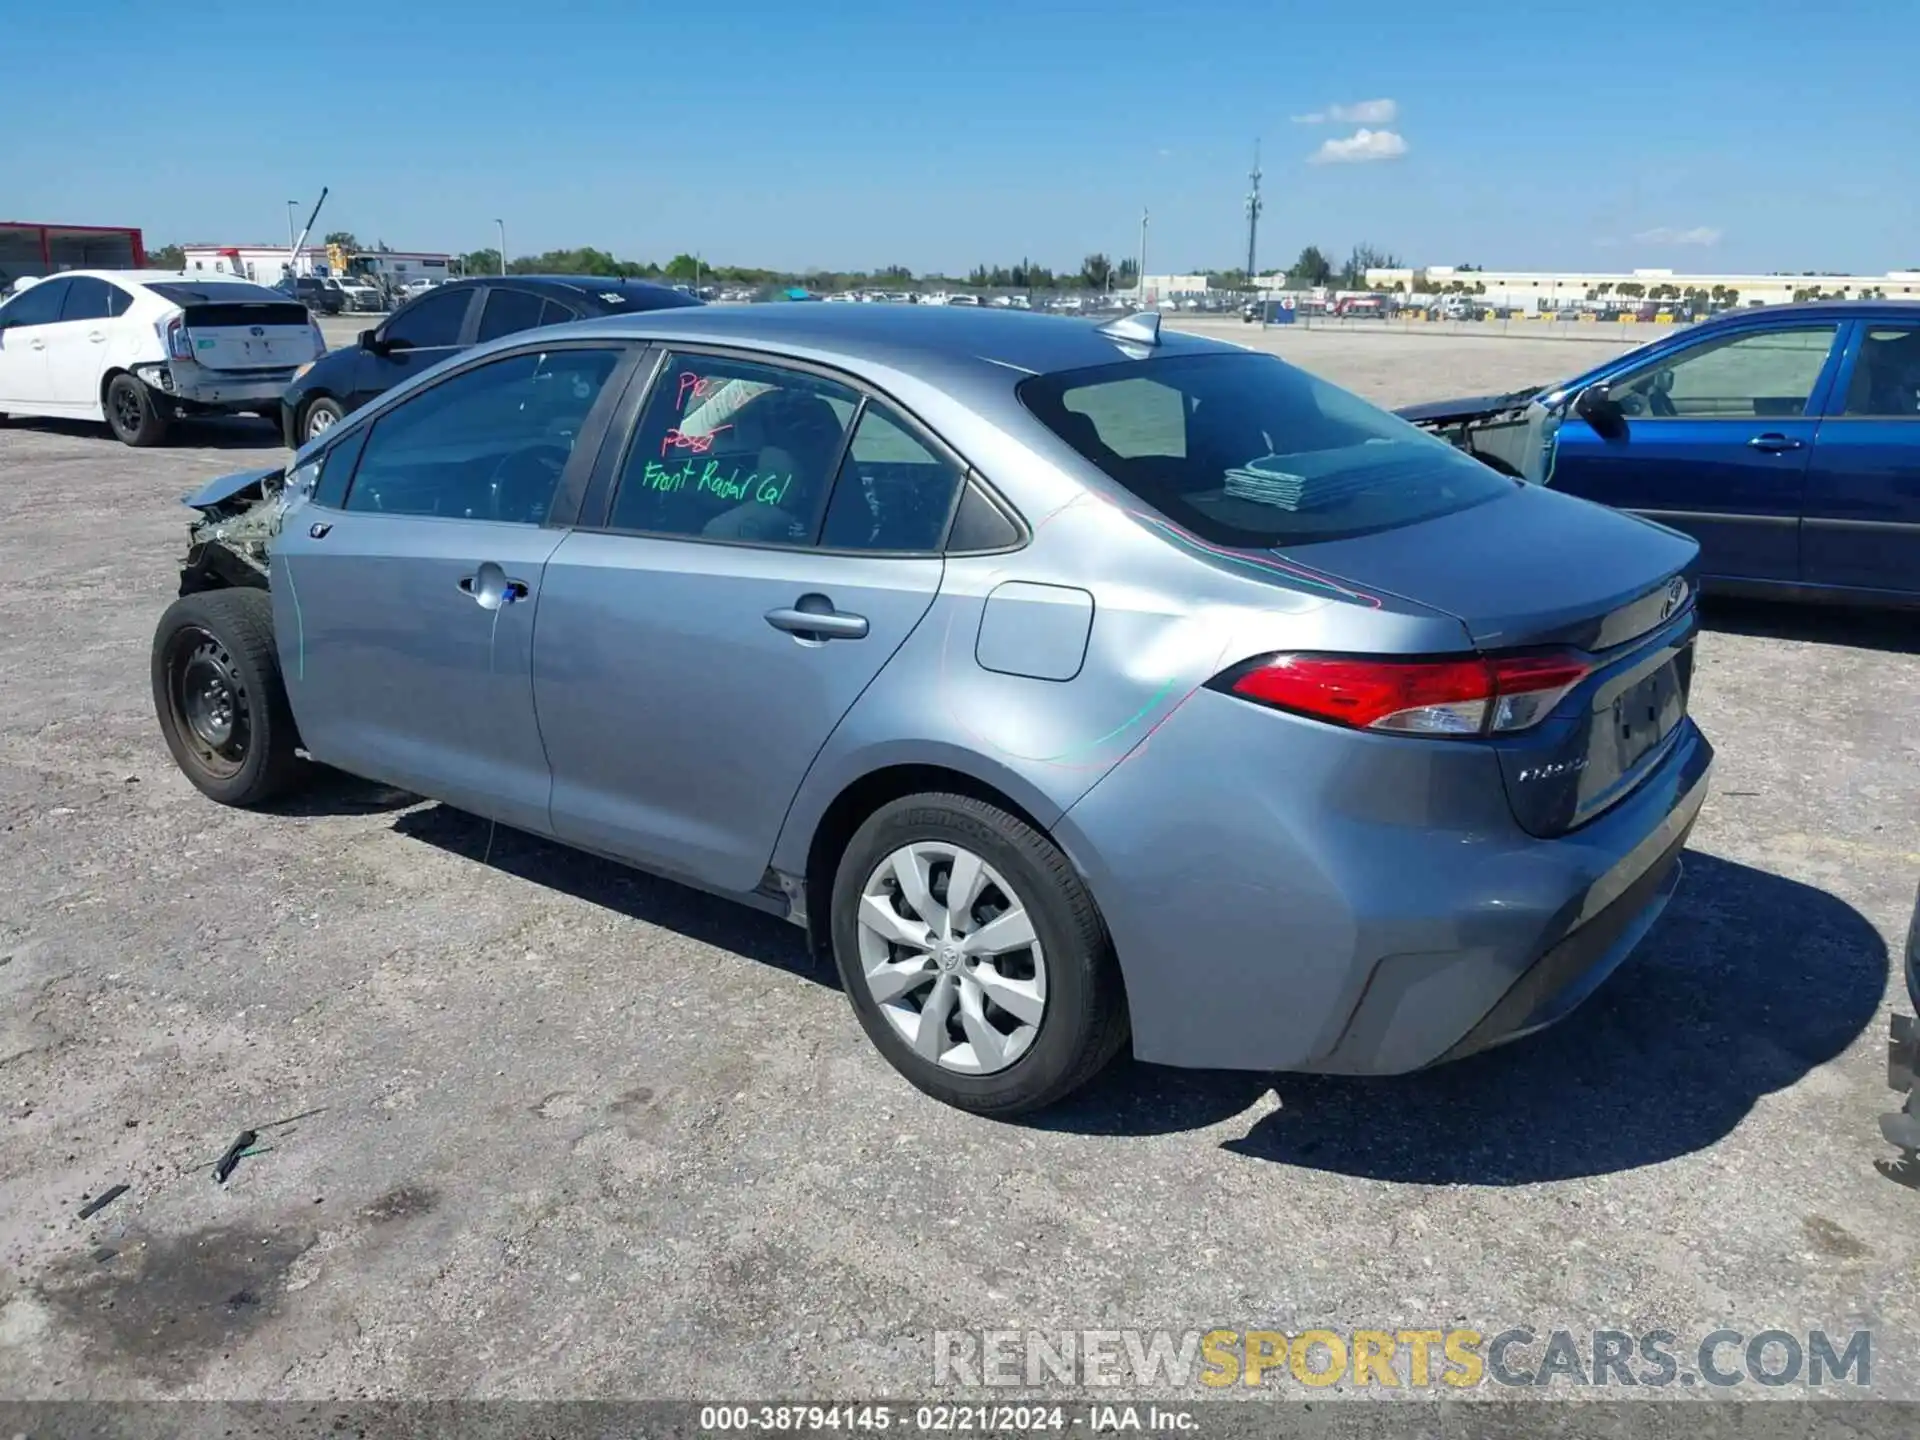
(949, 955)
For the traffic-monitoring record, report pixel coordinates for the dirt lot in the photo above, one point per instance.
(570, 1131)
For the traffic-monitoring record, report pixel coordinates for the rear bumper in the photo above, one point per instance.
(1285, 895)
(201, 388)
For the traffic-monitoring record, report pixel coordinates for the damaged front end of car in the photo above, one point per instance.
(239, 517)
(1512, 433)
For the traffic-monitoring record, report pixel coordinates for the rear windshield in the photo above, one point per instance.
(1245, 450)
(217, 292)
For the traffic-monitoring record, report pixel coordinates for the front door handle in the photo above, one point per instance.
(37, 344)
(489, 587)
(1773, 442)
(98, 337)
(814, 618)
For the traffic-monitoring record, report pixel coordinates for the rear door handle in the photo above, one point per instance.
(98, 337)
(37, 344)
(1773, 442)
(824, 623)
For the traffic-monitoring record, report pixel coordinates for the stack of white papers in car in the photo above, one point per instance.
(1266, 482)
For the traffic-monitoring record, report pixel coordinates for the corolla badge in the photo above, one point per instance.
(1676, 597)
(257, 331)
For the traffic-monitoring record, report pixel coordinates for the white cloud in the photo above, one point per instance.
(1361, 112)
(1358, 148)
(1667, 235)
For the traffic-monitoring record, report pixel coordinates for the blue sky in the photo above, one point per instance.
(856, 133)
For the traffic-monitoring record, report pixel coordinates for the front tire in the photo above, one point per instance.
(219, 697)
(320, 416)
(999, 996)
(132, 413)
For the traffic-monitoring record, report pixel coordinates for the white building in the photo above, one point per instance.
(264, 264)
(1563, 289)
(1172, 287)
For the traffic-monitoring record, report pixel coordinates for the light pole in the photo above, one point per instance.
(503, 245)
(1140, 279)
(1253, 212)
(292, 205)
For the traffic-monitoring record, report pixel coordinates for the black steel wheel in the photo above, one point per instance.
(219, 697)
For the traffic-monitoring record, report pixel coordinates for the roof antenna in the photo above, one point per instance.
(1139, 328)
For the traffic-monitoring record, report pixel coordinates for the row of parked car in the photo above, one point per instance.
(341, 294)
(141, 350)
(1786, 439)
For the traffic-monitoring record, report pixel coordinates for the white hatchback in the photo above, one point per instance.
(142, 348)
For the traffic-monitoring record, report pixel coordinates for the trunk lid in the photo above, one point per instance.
(249, 335)
(1538, 569)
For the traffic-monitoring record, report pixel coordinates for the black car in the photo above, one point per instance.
(443, 321)
(318, 295)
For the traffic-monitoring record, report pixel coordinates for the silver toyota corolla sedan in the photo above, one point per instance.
(1073, 685)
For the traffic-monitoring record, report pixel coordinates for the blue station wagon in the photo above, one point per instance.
(1786, 440)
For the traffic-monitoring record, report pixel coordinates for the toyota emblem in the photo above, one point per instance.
(257, 331)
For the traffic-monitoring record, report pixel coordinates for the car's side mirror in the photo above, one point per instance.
(371, 342)
(1598, 408)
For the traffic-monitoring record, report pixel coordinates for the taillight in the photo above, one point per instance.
(179, 343)
(1468, 695)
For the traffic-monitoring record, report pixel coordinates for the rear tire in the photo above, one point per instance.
(219, 697)
(320, 416)
(132, 413)
(1064, 1014)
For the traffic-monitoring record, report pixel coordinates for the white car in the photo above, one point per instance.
(142, 348)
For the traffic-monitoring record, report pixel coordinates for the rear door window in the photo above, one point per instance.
(507, 311)
(731, 450)
(88, 298)
(894, 493)
(1886, 375)
(1245, 450)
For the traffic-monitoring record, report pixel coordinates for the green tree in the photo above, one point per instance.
(344, 239)
(1312, 268)
(167, 257)
(683, 267)
(480, 262)
(1362, 258)
(1096, 271)
(1126, 275)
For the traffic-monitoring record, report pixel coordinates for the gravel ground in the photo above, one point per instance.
(570, 1131)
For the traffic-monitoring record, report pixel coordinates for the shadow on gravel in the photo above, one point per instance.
(1892, 630)
(222, 432)
(679, 908)
(1749, 981)
(327, 791)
